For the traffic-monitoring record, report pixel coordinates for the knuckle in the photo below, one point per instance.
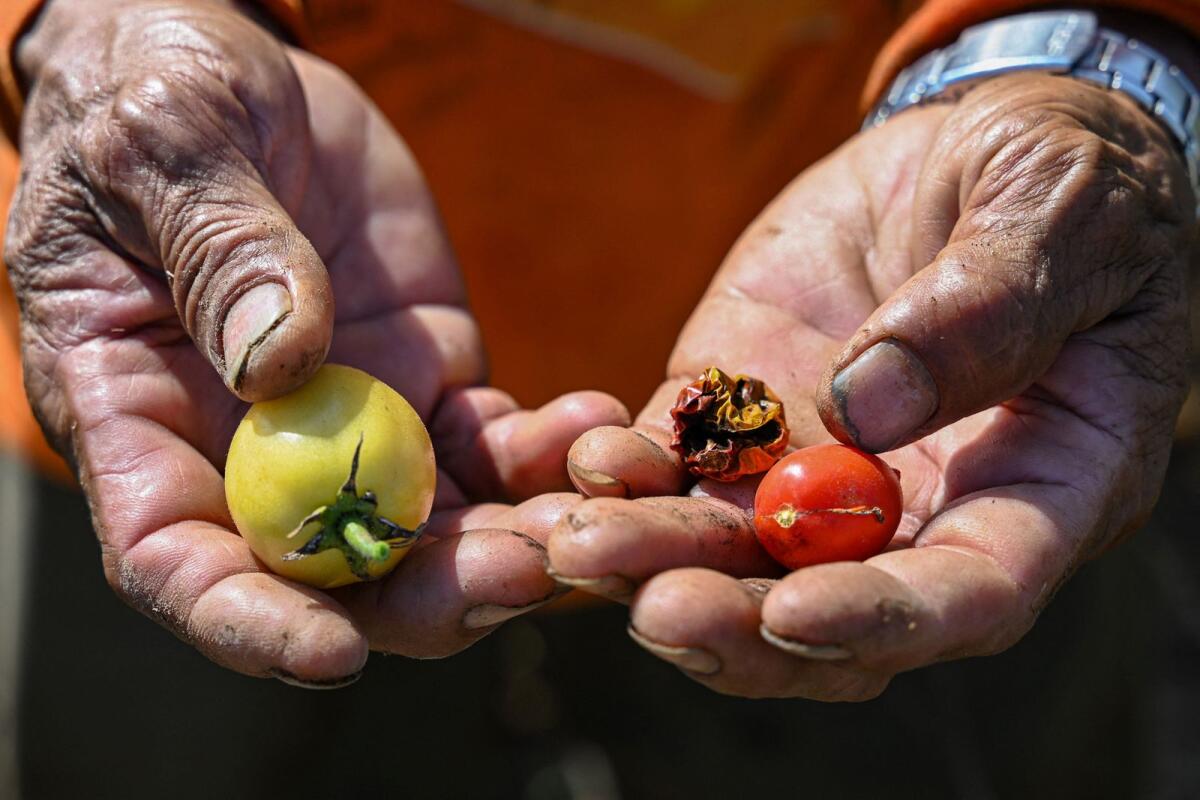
(1054, 161)
(1073, 208)
(179, 146)
(180, 127)
(174, 109)
(159, 121)
(1048, 171)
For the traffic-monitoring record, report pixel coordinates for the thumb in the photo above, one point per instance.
(249, 288)
(1051, 238)
(266, 319)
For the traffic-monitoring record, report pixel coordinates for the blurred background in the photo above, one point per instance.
(608, 154)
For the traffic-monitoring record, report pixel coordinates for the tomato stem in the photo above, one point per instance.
(351, 524)
(363, 543)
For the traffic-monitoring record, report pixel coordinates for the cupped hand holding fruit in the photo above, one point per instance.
(194, 196)
(993, 292)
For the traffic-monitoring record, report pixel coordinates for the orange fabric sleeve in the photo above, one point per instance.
(937, 22)
(17, 15)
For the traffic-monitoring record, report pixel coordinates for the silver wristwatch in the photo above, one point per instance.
(1064, 42)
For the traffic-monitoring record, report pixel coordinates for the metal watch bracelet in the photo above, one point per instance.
(1061, 42)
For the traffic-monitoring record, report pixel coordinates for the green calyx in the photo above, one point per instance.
(350, 524)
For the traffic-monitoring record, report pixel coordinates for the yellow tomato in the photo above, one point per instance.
(307, 505)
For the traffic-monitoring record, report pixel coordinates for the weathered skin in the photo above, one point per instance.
(178, 159)
(1022, 254)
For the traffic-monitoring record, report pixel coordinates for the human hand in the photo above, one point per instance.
(193, 197)
(996, 288)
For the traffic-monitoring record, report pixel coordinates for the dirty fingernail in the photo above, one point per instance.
(594, 483)
(693, 659)
(758, 587)
(614, 587)
(817, 652)
(252, 317)
(486, 615)
(331, 683)
(884, 395)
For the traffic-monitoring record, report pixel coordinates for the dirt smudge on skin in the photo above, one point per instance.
(896, 614)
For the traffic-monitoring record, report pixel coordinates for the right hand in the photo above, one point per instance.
(193, 196)
(1006, 274)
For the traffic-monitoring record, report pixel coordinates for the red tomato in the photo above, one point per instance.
(827, 503)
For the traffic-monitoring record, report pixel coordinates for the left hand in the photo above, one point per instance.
(997, 288)
(193, 196)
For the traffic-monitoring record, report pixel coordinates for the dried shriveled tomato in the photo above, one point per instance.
(728, 427)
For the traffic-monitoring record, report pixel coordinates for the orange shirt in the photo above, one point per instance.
(593, 159)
